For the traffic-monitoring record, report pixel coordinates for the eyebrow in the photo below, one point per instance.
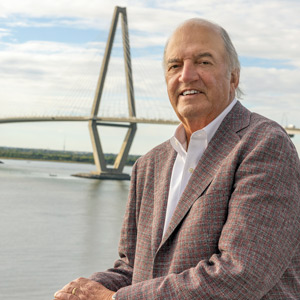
(201, 55)
(205, 54)
(173, 60)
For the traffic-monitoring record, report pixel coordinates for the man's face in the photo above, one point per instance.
(199, 83)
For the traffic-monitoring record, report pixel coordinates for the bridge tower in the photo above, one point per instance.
(103, 171)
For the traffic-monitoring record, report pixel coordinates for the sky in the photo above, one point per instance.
(51, 53)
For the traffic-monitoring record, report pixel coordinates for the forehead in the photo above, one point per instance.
(192, 39)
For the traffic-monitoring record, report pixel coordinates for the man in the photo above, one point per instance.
(213, 213)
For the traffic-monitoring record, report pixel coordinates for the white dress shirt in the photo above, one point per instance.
(187, 159)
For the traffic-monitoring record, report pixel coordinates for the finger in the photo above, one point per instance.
(62, 295)
(71, 288)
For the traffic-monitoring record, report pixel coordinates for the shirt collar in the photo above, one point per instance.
(178, 141)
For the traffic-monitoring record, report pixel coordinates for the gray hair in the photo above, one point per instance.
(233, 59)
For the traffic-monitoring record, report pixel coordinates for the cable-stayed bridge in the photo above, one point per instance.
(117, 102)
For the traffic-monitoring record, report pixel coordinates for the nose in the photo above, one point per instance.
(188, 72)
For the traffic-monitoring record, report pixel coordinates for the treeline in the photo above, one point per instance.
(56, 155)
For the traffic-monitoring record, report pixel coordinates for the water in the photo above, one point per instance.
(55, 227)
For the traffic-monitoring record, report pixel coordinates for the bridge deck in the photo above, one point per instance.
(82, 118)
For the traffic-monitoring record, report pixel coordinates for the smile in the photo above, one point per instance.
(190, 92)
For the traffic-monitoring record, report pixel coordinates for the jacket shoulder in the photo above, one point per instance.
(262, 125)
(164, 150)
(243, 121)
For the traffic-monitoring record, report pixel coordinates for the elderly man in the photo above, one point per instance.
(213, 213)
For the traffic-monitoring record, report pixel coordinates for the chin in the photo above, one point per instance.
(192, 111)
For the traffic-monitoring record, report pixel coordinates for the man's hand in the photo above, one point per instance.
(84, 289)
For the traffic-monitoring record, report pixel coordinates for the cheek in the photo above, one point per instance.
(221, 85)
(213, 85)
(171, 89)
(210, 80)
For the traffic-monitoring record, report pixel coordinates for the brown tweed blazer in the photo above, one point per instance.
(236, 230)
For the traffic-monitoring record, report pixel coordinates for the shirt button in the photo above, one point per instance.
(191, 170)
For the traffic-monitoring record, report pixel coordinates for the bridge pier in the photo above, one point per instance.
(103, 171)
(110, 175)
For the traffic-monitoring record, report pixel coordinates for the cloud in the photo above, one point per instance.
(4, 33)
(35, 73)
(46, 8)
(274, 93)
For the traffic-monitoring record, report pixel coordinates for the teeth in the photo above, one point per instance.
(190, 92)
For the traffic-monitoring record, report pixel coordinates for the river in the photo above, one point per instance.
(55, 227)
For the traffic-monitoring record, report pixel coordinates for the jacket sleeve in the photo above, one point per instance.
(121, 274)
(261, 234)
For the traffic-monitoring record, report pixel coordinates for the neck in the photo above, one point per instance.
(191, 126)
(189, 130)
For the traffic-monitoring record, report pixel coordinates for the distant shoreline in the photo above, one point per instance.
(58, 155)
(40, 159)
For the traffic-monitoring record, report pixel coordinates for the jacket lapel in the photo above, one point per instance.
(219, 147)
(164, 166)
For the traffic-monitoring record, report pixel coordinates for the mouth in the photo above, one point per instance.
(190, 92)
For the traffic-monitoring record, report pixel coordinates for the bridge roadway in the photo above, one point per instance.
(109, 120)
(81, 118)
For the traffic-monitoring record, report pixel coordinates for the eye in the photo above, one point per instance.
(204, 62)
(173, 67)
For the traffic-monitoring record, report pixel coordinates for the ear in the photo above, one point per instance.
(234, 78)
